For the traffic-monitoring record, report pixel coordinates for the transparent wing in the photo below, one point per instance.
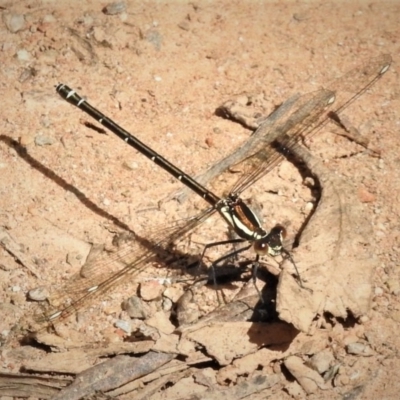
(108, 271)
(304, 117)
(298, 118)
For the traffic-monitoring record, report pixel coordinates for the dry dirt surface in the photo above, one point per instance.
(78, 205)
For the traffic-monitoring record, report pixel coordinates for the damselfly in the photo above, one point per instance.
(304, 117)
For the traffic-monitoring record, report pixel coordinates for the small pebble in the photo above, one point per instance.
(154, 37)
(42, 140)
(309, 182)
(38, 294)
(161, 322)
(151, 290)
(365, 196)
(184, 25)
(209, 142)
(321, 361)
(359, 349)
(187, 311)
(49, 18)
(23, 55)
(14, 22)
(134, 307)
(115, 8)
(299, 17)
(173, 293)
(130, 165)
(167, 304)
(126, 326)
(309, 206)
(24, 140)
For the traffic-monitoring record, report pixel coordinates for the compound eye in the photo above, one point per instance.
(261, 247)
(272, 243)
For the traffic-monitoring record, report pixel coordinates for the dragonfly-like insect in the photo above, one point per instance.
(257, 157)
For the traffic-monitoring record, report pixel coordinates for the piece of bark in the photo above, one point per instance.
(229, 340)
(112, 374)
(23, 385)
(334, 257)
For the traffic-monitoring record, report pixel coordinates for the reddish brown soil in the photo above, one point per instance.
(161, 71)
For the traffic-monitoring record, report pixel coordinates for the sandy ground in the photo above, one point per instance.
(161, 71)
